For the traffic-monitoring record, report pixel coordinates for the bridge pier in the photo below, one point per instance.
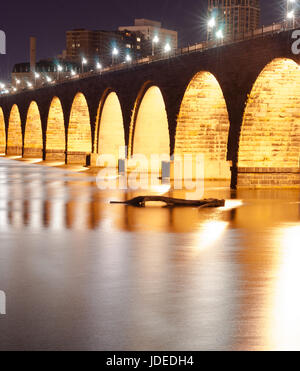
(55, 155)
(14, 151)
(250, 177)
(33, 153)
(77, 158)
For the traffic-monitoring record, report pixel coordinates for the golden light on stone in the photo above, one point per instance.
(79, 132)
(55, 135)
(14, 134)
(33, 139)
(203, 125)
(2, 133)
(270, 134)
(111, 135)
(151, 129)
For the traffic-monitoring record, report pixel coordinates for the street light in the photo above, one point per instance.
(211, 23)
(291, 11)
(128, 58)
(59, 69)
(115, 54)
(99, 66)
(36, 76)
(154, 41)
(291, 15)
(220, 35)
(48, 79)
(83, 62)
(167, 48)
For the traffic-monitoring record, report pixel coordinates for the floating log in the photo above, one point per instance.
(172, 202)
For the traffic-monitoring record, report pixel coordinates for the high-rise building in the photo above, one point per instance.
(151, 29)
(234, 17)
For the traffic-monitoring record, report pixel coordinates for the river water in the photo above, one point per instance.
(81, 274)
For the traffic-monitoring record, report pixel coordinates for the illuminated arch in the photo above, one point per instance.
(33, 139)
(2, 133)
(14, 133)
(111, 138)
(203, 125)
(270, 132)
(79, 132)
(55, 135)
(150, 126)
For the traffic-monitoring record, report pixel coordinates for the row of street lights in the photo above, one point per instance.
(128, 58)
(59, 69)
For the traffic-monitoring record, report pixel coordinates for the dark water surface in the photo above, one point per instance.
(80, 274)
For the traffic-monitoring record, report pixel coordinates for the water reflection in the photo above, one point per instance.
(91, 275)
(284, 328)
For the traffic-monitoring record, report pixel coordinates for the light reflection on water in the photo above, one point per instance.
(80, 273)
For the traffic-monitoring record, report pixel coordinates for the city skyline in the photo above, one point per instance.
(190, 23)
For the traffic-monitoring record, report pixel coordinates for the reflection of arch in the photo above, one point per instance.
(55, 135)
(33, 139)
(271, 126)
(14, 133)
(150, 129)
(110, 134)
(79, 132)
(2, 133)
(203, 125)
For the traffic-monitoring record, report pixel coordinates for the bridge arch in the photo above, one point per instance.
(149, 128)
(270, 134)
(33, 138)
(79, 143)
(203, 125)
(14, 133)
(2, 132)
(110, 135)
(55, 134)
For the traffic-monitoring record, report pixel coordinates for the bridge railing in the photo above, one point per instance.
(275, 28)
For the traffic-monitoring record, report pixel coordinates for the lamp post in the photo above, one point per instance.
(211, 24)
(36, 77)
(115, 54)
(220, 35)
(167, 49)
(290, 12)
(83, 62)
(155, 41)
(59, 69)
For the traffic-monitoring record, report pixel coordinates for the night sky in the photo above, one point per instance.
(48, 21)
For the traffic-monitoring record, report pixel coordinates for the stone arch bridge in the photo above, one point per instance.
(238, 104)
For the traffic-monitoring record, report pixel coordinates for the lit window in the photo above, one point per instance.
(138, 39)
